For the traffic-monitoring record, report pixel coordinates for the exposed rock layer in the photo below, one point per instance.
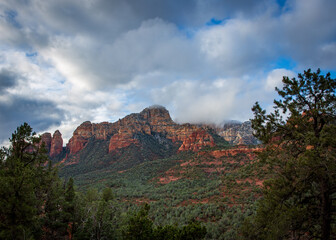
(56, 147)
(237, 133)
(152, 121)
(46, 139)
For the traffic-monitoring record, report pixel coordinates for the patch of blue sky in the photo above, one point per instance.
(10, 16)
(284, 6)
(215, 21)
(187, 32)
(32, 54)
(324, 72)
(281, 3)
(284, 62)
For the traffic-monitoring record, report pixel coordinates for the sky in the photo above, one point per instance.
(64, 62)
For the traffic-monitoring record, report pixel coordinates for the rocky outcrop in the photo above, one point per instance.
(56, 146)
(80, 138)
(87, 130)
(240, 149)
(46, 139)
(238, 133)
(121, 140)
(151, 121)
(197, 140)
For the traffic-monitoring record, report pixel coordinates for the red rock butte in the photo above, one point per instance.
(122, 133)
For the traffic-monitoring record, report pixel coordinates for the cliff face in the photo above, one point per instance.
(152, 126)
(56, 146)
(238, 133)
(150, 121)
(197, 140)
(46, 139)
(80, 137)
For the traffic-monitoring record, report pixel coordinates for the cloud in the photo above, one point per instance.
(7, 79)
(154, 46)
(274, 78)
(239, 45)
(309, 34)
(39, 114)
(197, 101)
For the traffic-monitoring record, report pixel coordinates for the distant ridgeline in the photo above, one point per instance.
(139, 137)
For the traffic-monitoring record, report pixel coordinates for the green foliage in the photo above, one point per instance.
(139, 226)
(33, 202)
(23, 185)
(54, 224)
(301, 160)
(107, 194)
(96, 215)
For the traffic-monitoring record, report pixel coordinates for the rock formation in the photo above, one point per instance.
(197, 140)
(153, 122)
(237, 133)
(242, 149)
(56, 147)
(150, 121)
(46, 139)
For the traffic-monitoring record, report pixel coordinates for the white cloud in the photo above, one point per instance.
(197, 101)
(274, 78)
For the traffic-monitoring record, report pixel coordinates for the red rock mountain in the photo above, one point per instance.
(150, 121)
(153, 121)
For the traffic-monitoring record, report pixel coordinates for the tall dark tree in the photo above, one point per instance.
(300, 156)
(69, 207)
(22, 185)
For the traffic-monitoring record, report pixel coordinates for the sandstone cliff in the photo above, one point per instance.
(46, 139)
(150, 121)
(197, 140)
(56, 146)
(157, 125)
(237, 133)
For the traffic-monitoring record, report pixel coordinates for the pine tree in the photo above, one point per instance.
(53, 224)
(22, 186)
(69, 207)
(300, 158)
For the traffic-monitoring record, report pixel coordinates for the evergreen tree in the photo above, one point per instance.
(300, 158)
(22, 185)
(69, 207)
(54, 226)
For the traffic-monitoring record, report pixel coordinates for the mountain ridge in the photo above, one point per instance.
(138, 137)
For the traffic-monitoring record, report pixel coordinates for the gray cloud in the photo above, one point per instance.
(309, 33)
(39, 114)
(7, 79)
